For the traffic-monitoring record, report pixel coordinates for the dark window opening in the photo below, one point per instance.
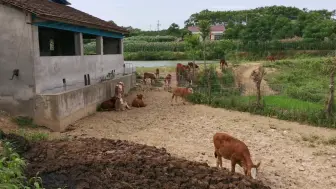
(55, 42)
(112, 45)
(218, 37)
(90, 44)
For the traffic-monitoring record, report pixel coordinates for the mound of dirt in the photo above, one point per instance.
(101, 164)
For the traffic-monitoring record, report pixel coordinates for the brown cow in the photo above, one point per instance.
(151, 76)
(181, 92)
(109, 105)
(223, 63)
(168, 79)
(235, 150)
(138, 102)
(270, 58)
(191, 65)
(157, 73)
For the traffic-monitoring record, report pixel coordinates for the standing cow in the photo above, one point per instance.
(151, 76)
(157, 73)
(223, 64)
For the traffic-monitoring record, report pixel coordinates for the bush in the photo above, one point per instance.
(12, 170)
(151, 38)
(163, 55)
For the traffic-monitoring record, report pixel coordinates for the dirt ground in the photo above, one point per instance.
(287, 161)
(122, 165)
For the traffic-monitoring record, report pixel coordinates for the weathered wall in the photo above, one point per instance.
(16, 52)
(51, 70)
(57, 111)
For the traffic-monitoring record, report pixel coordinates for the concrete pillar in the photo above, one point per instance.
(121, 46)
(79, 45)
(99, 45)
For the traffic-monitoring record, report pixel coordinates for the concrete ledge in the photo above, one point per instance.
(58, 111)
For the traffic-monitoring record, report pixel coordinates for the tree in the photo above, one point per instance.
(193, 46)
(204, 26)
(174, 29)
(257, 77)
(330, 68)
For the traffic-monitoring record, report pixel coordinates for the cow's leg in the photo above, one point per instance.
(219, 161)
(172, 99)
(233, 163)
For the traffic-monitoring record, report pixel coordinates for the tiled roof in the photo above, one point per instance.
(56, 12)
(213, 28)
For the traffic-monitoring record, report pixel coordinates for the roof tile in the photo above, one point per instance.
(61, 13)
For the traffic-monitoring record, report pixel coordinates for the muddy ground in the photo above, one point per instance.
(102, 164)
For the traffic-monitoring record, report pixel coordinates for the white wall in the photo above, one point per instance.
(51, 70)
(17, 95)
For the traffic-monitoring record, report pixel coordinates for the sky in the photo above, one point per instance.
(144, 14)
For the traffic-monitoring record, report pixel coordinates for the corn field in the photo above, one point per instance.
(133, 46)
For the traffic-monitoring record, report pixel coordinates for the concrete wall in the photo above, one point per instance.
(57, 111)
(16, 96)
(51, 70)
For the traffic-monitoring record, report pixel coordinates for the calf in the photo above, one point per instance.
(270, 58)
(157, 73)
(138, 102)
(235, 150)
(151, 76)
(168, 80)
(223, 63)
(181, 92)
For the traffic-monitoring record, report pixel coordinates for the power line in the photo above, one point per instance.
(158, 25)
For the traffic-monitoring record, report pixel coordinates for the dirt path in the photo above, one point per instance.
(243, 73)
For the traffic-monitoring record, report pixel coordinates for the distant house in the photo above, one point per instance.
(44, 72)
(216, 31)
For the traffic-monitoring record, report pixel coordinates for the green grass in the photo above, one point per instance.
(303, 79)
(285, 102)
(303, 86)
(24, 122)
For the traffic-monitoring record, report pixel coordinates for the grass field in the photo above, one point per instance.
(302, 84)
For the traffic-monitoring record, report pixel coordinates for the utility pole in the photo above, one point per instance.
(158, 25)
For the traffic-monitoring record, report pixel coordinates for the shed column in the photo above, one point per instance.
(79, 46)
(99, 45)
(121, 46)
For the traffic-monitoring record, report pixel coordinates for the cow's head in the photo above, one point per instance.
(190, 90)
(140, 96)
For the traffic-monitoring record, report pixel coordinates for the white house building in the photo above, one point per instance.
(216, 31)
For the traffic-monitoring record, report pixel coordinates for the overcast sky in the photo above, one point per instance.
(143, 13)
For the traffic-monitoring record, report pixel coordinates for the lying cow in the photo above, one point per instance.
(109, 105)
(151, 76)
(235, 150)
(182, 92)
(138, 102)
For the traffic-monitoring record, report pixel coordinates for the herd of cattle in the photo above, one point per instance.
(226, 146)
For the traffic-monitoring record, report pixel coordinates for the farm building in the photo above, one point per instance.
(216, 31)
(44, 71)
